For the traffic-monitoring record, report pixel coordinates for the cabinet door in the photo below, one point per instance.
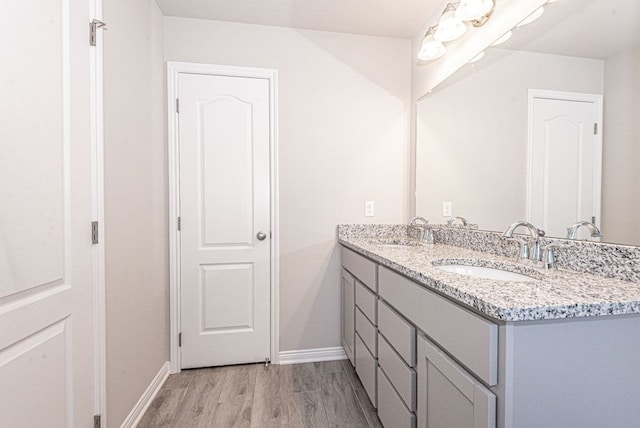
(448, 396)
(348, 314)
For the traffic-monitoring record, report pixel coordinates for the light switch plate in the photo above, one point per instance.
(446, 209)
(368, 209)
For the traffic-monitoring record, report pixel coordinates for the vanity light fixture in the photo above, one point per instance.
(453, 25)
(431, 48)
(450, 27)
(476, 11)
(506, 36)
(529, 19)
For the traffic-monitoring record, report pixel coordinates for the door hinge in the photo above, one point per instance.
(94, 232)
(179, 339)
(93, 30)
(593, 220)
(179, 224)
(177, 105)
(97, 421)
(595, 129)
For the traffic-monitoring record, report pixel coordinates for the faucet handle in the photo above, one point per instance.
(525, 249)
(549, 256)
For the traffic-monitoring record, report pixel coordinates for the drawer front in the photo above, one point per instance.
(367, 302)
(472, 340)
(362, 268)
(391, 410)
(367, 332)
(366, 369)
(398, 332)
(401, 376)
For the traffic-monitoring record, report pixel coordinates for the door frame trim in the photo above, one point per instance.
(173, 71)
(565, 96)
(97, 214)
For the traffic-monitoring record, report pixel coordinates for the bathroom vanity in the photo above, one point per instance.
(435, 348)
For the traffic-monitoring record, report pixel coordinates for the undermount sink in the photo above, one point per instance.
(485, 272)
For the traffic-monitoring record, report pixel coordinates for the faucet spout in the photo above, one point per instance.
(454, 219)
(416, 219)
(533, 231)
(572, 231)
(535, 235)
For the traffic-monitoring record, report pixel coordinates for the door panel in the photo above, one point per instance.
(224, 140)
(46, 290)
(227, 149)
(235, 282)
(564, 164)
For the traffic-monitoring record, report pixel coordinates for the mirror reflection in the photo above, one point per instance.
(544, 128)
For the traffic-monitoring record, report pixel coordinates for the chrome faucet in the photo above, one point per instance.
(415, 219)
(426, 233)
(572, 231)
(534, 258)
(454, 219)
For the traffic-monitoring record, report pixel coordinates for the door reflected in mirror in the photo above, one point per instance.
(544, 128)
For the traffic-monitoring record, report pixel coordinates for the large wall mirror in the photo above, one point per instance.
(544, 128)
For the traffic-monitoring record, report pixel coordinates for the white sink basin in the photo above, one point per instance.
(485, 272)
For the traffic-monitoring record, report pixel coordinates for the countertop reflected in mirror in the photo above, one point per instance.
(473, 131)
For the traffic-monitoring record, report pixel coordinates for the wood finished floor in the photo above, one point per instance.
(325, 394)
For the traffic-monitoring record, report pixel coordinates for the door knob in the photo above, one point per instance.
(261, 236)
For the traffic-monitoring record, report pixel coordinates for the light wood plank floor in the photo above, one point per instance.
(326, 394)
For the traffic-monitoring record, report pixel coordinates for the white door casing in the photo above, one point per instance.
(46, 289)
(225, 185)
(564, 160)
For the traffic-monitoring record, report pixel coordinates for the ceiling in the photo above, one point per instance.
(388, 18)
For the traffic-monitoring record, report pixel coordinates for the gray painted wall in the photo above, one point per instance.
(135, 203)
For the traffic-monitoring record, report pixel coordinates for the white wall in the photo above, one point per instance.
(135, 203)
(621, 148)
(343, 139)
(472, 135)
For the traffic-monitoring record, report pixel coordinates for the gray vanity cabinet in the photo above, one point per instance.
(347, 290)
(448, 396)
(361, 309)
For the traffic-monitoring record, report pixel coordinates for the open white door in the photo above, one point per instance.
(224, 143)
(565, 160)
(46, 291)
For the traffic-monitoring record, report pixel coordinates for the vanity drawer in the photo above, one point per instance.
(391, 410)
(401, 376)
(366, 369)
(398, 332)
(362, 268)
(366, 301)
(469, 338)
(367, 332)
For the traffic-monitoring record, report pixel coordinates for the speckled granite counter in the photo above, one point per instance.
(549, 295)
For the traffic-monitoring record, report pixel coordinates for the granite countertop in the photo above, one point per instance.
(551, 294)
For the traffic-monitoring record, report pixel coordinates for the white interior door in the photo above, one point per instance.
(225, 218)
(565, 161)
(46, 291)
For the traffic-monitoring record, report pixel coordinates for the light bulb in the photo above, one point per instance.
(431, 48)
(449, 27)
(469, 10)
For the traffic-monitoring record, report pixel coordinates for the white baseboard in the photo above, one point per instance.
(312, 355)
(147, 397)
